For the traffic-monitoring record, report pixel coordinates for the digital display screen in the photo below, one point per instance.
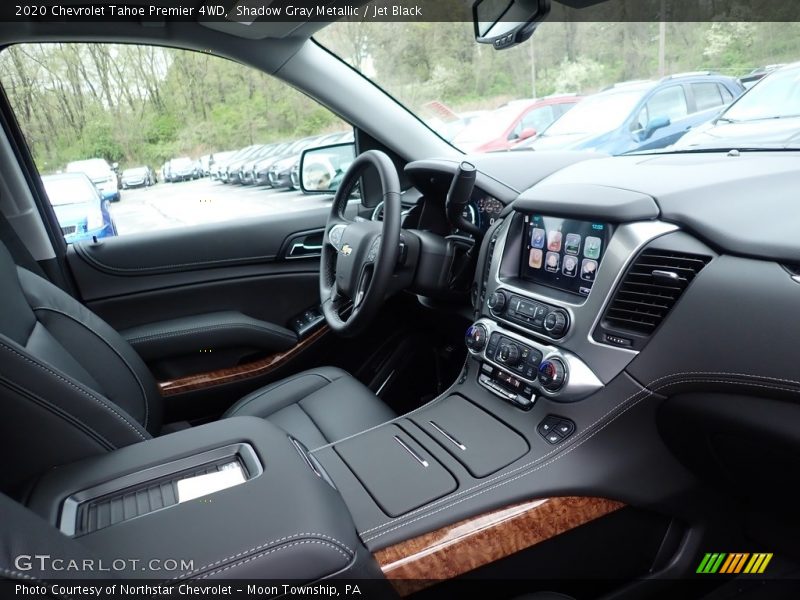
(563, 253)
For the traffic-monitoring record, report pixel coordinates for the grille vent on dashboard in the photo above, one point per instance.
(650, 288)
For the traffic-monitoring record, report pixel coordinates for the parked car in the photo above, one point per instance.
(640, 115)
(138, 177)
(231, 173)
(81, 211)
(512, 123)
(101, 174)
(183, 169)
(204, 162)
(768, 113)
(166, 174)
(260, 169)
(757, 75)
(217, 161)
(246, 167)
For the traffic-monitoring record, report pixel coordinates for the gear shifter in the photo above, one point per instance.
(458, 196)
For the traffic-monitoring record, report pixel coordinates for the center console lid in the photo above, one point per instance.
(276, 516)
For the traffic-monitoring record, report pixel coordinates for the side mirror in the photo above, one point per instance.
(527, 133)
(506, 23)
(654, 125)
(114, 166)
(322, 168)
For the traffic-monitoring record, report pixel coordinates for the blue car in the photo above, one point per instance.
(81, 212)
(640, 115)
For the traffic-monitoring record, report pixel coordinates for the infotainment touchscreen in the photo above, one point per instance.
(563, 253)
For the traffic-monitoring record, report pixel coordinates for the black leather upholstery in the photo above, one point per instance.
(223, 329)
(302, 405)
(71, 386)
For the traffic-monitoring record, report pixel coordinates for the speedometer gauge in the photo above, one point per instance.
(491, 207)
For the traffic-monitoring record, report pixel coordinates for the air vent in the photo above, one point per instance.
(650, 288)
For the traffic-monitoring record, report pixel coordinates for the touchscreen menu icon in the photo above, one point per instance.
(570, 266)
(573, 243)
(592, 247)
(588, 269)
(551, 262)
(535, 259)
(554, 241)
(537, 238)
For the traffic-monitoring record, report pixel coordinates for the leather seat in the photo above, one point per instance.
(301, 405)
(71, 386)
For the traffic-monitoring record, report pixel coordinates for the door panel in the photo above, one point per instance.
(241, 266)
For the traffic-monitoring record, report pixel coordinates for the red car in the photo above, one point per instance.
(519, 120)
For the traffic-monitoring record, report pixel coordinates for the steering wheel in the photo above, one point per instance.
(359, 256)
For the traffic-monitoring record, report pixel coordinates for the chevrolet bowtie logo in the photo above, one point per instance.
(346, 249)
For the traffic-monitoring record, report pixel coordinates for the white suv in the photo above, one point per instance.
(101, 174)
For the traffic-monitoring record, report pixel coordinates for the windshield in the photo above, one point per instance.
(586, 118)
(68, 190)
(776, 96)
(439, 73)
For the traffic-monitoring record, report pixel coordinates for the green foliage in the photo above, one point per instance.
(146, 104)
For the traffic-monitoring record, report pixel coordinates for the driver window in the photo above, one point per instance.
(538, 119)
(134, 138)
(669, 102)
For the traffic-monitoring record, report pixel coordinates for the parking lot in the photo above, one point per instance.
(169, 205)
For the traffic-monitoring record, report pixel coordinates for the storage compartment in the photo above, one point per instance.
(157, 488)
(398, 472)
(475, 438)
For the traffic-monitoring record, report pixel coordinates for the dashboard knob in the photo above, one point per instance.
(552, 374)
(497, 302)
(476, 337)
(509, 354)
(555, 323)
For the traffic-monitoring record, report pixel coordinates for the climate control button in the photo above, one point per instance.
(497, 303)
(476, 337)
(555, 323)
(510, 354)
(552, 374)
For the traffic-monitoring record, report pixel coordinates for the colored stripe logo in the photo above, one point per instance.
(734, 563)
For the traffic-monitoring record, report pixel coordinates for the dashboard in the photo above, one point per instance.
(611, 267)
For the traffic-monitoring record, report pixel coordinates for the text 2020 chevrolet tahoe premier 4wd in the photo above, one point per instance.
(516, 374)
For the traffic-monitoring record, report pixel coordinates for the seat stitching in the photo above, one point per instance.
(261, 546)
(563, 451)
(310, 418)
(275, 386)
(122, 358)
(75, 386)
(240, 325)
(58, 412)
(274, 550)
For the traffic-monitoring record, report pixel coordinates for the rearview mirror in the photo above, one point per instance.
(322, 168)
(654, 125)
(527, 133)
(506, 23)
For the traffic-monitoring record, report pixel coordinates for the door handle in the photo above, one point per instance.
(305, 245)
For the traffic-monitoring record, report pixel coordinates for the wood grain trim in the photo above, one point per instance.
(455, 549)
(253, 369)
